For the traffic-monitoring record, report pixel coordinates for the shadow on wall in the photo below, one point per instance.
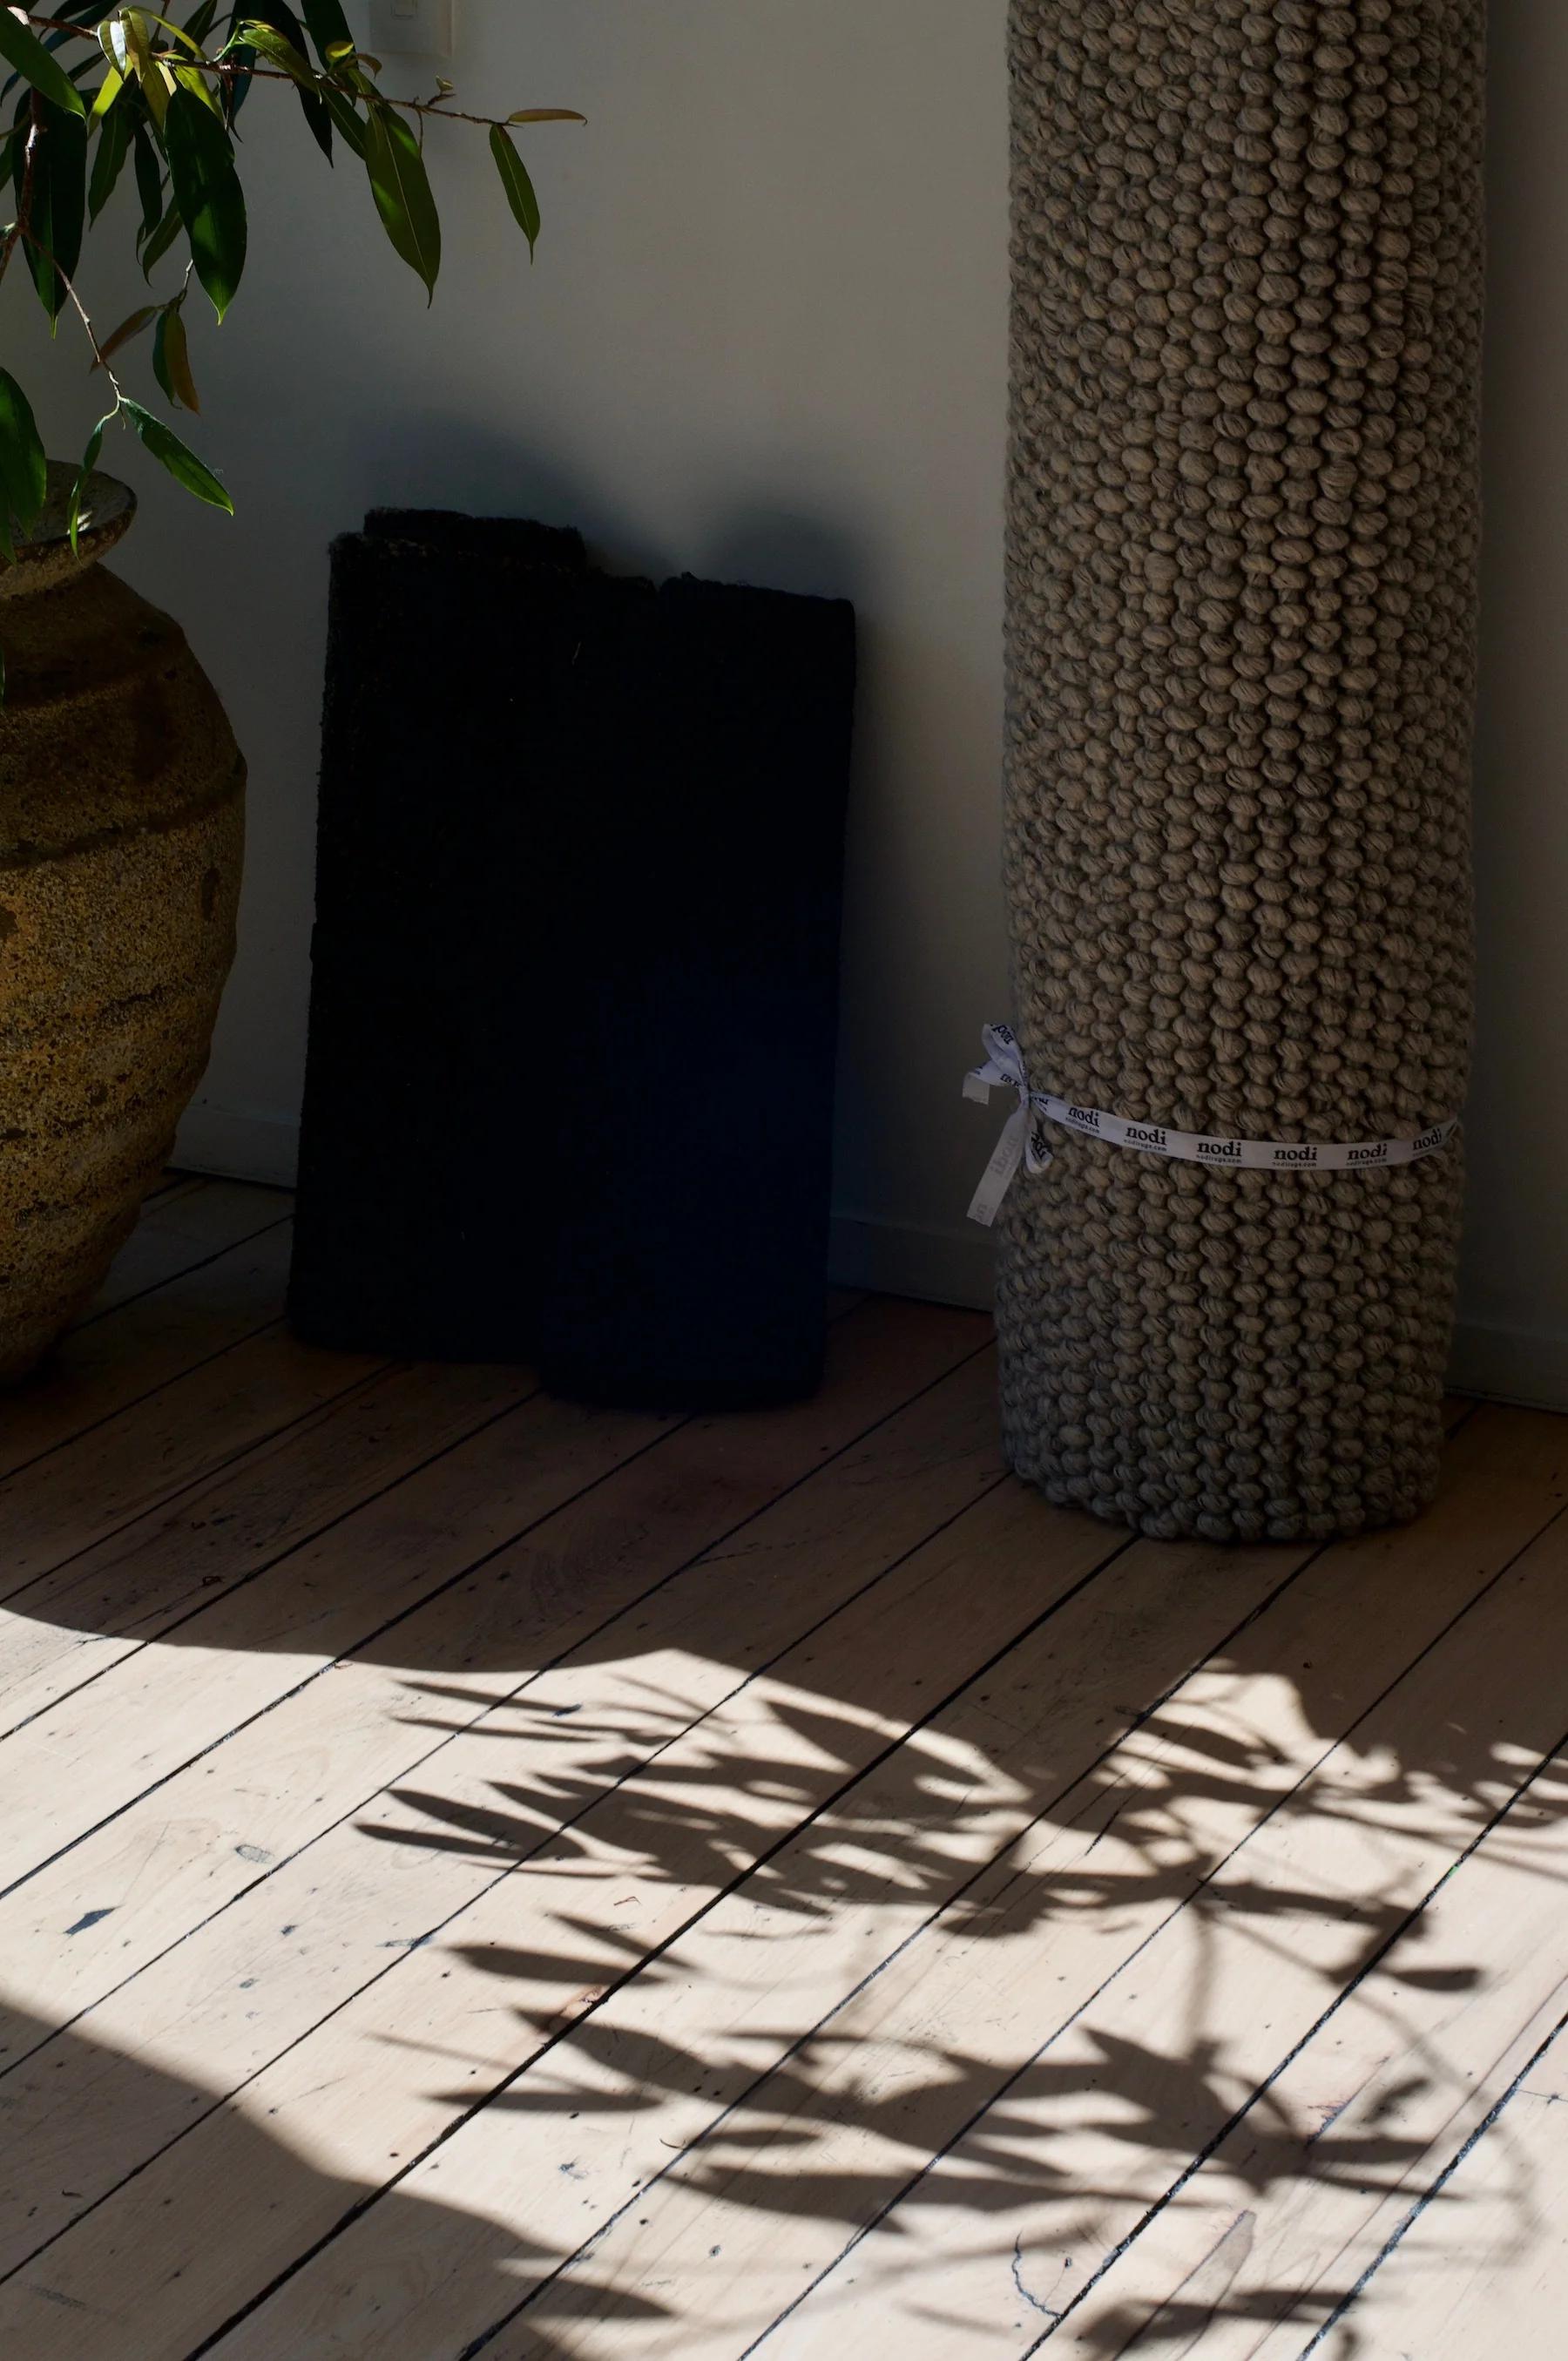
(452, 462)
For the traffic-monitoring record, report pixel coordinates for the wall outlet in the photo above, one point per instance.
(413, 29)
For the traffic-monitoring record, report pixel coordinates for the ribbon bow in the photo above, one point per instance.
(1024, 1140)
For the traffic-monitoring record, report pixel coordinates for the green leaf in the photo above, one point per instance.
(154, 79)
(346, 116)
(127, 328)
(182, 463)
(329, 27)
(108, 161)
(318, 115)
(149, 179)
(58, 213)
(192, 79)
(517, 185)
(20, 47)
(108, 90)
(201, 23)
(171, 359)
(24, 471)
(162, 238)
(546, 115)
(207, 191)
(78, 490)
(270, 41)
(402, 189)
(185, 40)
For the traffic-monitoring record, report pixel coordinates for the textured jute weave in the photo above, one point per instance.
(1243, 540)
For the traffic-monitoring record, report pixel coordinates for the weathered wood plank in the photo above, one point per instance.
(791, 1566)
(184, 1225)
(1099, 2120)
(452, 1852)
(70, 1625)
(101, 1369)
(437, 1578)
(99, 1483)
(1274, 2232)
(1481, 2273)
(1040, 1930)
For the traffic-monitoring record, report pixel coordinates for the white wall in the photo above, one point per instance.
(1515, 1292)
(765, 338)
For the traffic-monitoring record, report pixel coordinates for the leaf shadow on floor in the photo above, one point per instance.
(754, 2111)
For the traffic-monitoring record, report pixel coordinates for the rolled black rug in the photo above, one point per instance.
(689, 1231)
(454, 712)
(573, 1010)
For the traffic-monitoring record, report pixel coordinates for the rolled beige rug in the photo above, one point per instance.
(1243, 542)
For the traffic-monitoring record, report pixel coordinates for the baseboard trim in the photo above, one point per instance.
(935, 1265)
(238, 1144)
(905, 1258)
(1510, 1365)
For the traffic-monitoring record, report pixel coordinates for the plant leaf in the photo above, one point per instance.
(208, 193)
(517, 185)
(151, 17)
(149, 179)
(318, 115)
(272, 41)
(108, 159)
(127, 328)
(402, 189)
(548, 115)
(192, 79)
(182, 463)
(24, 471)
(155, 83)
(162, 238)
(108, 90)
(20, 47)
(329, 27)
(77, 489)
(171, 358)
(58, 213)
(349, 122)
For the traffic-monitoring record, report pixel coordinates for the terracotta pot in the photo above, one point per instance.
(121, 837)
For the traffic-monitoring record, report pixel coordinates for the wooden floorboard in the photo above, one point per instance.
(1356, 2138)
(1480, 2266)
(829, 1535)
(189, 1221)
(106, 1366)
(487, 1876)
(154, 1578)
(914, 2058)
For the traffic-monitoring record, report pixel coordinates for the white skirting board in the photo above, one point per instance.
(239, 1144)
(1512, 1364)
(940, 1266)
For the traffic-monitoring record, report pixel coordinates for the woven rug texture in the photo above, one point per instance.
(1243, 519)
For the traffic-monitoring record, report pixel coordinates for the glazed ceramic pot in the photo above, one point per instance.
(121, 837)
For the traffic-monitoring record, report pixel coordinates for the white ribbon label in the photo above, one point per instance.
(1024, 1141)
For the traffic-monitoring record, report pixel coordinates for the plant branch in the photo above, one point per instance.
(275, 73)
(18, 228)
